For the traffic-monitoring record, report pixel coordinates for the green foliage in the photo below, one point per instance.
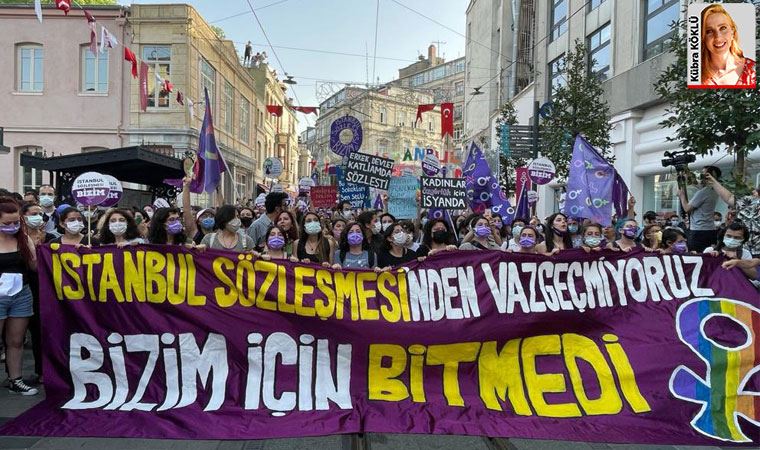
(48, 2)
(577, 107)
(507, 116)
(705, 120)
(219, 32)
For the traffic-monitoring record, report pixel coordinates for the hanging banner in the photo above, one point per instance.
(369, 170)
(345, 135)
(402, 197)
(324, 196)
(444, 193)
(166, 342)
(357, 194)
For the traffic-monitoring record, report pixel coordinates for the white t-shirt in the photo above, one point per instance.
(510, 245)
(745, 253)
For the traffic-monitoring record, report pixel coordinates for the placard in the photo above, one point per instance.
(541, 170)
(115, 193)
(345, 135)
(90, 189)
(368, 170)
(272, 167)
(431, 166)
(357, 194)
(324, 196)
(444, 193)
(402, 197)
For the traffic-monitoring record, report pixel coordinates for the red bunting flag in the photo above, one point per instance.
(306, 109)
(424, 108)
(447, 119)
(129, 56)
(143, 86)
(168, 86)
(275, 110)
(180, 98)
(63, 5)
(93, 31)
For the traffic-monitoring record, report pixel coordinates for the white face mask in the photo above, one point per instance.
(377, 227)
(75, 226)
(399, 238)
(233, 225)
(118, 228)
(46, 201)
(386, 225)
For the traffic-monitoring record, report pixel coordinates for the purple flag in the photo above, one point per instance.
(593, 186)
(483, 187)
(210, 164)
(523, 207)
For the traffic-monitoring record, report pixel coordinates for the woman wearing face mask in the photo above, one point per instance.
(673, 242)
(275, 241)
(287, 223)
(386, 220)
(394, 252)
(372, 229)
(411, 234)
(35, 224)
(437, 237)
(17, 266)
(313, 246)
(592, 238)
(574, 228)
(227, 234)
(513, 243)
(141, 220)
(338, 225)
(482, 235)
(557, 236)
(652, 235)
(204, 222)
(608, 233)
(627, 242)
(120, 229)
(246, 218)
(72, 226)
(345, 211)
(166, 228)
(527, 240)
(730, 242)
(676, 221)
(353, 251)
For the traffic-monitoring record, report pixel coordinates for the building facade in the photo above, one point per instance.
(59, 98)
(627, 38)
(390, 129)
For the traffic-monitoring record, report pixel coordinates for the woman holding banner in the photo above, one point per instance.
(119, 228)
(227, 234)
(528, 240)
(483, 236)
(557, 236)
(673, 242)
(35, 224)
(166, 228)
(628, 231)
(275, 241)
(287, 223)
(437, 237)
(394, 252)
(17, 264)
(71, 226)
(354, 251)
(593, 237)
(313, 246)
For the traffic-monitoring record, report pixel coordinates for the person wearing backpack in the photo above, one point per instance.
(227, 234)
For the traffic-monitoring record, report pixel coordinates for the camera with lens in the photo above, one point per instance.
(678, 160)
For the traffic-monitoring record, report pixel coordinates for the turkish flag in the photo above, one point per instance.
(63, 5)
(168, 86)
(424, 108)
(447, 119)
(306, 109)
(129, 56)
(143, 86)
(275, 110)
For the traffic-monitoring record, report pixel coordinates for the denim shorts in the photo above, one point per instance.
(19, 305)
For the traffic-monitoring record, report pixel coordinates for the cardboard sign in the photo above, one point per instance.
(402, 197)
(357, 194)
(444, 193)
(369, 170)
(324, 196)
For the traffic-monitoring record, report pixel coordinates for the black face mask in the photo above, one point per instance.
(246, 221)
(440, 236)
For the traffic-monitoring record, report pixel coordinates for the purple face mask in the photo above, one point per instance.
(355, 238)
(680, 247)
(482, 231)
(276, 242)
(527, 242)
(174, 228)
(11, 229)
(630, 232)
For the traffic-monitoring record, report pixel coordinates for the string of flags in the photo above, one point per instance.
(108, 41)
(276, 110)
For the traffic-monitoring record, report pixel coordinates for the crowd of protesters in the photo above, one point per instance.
(342, 237)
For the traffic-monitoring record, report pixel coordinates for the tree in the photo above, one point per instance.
(508, 164)
(48, 2)
(219, 32)
(578, 106)
(704, 120)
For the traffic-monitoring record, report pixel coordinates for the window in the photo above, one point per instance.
(599, 52)
(31, 179)
(459, 88)
(94, 70)
(658, 16)
(556, 74)
(402, 118)
(430, 126)
(245, 119)
(208, 81)
(261, 119)
(29, 68)
(383, 114)
(559, 18)
(594, 4)
(159, 59)
(229, 102)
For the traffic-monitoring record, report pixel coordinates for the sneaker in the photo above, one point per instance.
(18, 386)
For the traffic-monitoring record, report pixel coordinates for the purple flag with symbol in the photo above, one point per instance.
(210, 164)
(483, 187)
(593, 186)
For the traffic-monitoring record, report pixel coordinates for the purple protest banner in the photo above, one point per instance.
(165, 342)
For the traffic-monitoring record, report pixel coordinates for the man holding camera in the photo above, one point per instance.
(702, 232)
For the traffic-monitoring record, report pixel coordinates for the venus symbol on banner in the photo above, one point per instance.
(90, 189)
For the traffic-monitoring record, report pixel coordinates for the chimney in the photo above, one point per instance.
(431, 54)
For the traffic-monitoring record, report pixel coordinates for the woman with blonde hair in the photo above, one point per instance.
(723, 61)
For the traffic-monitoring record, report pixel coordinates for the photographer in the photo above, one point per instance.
(747, 212)
(701, 208)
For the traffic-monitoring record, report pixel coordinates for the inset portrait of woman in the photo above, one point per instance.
(723, 61)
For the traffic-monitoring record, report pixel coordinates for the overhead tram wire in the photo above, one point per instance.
(274, 52)
(377, 25)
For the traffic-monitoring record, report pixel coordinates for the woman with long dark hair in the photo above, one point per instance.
(18, 261)
(313, 246)
(394, 252)
(437, 237)
(275, 241)
(71, 226)
(166, 227)
(34, 220)
(119, 228)
(354, 251)
(288, 223)
(227, 234)
(556, 234)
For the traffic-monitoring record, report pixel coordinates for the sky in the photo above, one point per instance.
(346, 26)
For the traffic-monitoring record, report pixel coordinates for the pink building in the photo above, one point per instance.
(57, 97)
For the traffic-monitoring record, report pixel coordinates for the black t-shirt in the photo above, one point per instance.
(385, 259)
(83, 241)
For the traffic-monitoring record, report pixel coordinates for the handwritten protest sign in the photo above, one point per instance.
(402, 197)
(357, 194)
